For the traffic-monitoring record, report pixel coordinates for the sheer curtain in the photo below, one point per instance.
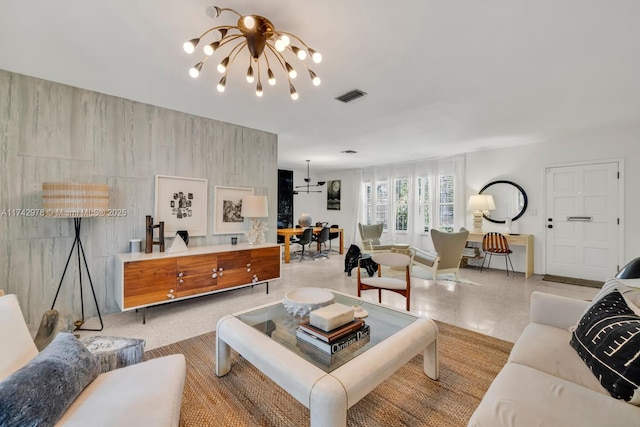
(413, 173)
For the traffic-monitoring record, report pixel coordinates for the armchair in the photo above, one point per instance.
(370, 236)
(449, 247)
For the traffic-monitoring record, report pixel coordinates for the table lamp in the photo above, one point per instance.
(77, 201)
(255, 208)
(477, 204)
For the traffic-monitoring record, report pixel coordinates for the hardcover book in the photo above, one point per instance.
(331, 348)
(334, 334)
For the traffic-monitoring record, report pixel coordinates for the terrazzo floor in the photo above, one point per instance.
(487, 302)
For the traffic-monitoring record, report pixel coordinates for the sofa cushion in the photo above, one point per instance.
(525, 397)
(547, 349)
(42, 390)
(144, 394)
(607, 338)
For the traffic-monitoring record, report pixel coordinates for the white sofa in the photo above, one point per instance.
(545, 382)
(144, 394)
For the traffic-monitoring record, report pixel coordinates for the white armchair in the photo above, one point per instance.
(370, 236)
(449, 247)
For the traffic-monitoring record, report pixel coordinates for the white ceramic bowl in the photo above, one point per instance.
(301, 301)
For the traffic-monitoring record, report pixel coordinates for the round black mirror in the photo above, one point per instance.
(510, 200)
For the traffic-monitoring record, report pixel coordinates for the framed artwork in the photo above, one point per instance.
(333, 195)
(228, 205)
(182, 204)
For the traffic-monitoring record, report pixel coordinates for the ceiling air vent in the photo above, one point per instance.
(349, 152)
(351, 95)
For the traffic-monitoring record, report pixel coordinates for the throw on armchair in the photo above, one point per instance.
(370, 236)
(449, 247)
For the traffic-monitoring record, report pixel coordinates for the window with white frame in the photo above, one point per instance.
(443, 204)
(367, 202)
(382, 204)
(401, 204)
(446, 202)
(424, 203)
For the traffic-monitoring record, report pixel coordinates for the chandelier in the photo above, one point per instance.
(307, 186)
(266, 46)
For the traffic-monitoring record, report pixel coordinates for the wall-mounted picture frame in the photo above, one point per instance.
(182, 204)
(227, 208)
(333, 195)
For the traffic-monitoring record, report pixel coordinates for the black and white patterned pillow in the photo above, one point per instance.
(607, 338)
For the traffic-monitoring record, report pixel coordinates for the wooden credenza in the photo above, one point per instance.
(159, 277)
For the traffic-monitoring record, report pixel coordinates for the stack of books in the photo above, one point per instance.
(336, 339)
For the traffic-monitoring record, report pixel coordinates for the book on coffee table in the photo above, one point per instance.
(333, 335)
(337, 345)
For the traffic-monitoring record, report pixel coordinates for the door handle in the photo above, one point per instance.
(579, 218)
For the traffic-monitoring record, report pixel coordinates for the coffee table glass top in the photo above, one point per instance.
(277, 323)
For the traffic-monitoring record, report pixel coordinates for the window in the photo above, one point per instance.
(423, 203)
(382, 204)
(446, 201)
(443, 205)
(401, 204)
(367, 203)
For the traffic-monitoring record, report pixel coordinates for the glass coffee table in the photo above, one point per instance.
(326, 384)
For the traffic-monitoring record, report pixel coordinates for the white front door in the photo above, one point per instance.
(582, 221)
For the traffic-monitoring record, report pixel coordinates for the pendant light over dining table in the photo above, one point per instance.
(266, 46)
(306, 188)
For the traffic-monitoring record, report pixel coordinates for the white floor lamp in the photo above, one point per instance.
(77, 201)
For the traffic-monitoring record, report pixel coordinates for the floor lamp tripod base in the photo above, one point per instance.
(77, 245)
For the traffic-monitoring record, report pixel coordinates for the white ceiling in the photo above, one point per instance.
(442, 76)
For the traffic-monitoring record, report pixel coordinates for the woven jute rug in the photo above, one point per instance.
(469, 361)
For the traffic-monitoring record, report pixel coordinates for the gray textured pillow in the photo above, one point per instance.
(40, 392)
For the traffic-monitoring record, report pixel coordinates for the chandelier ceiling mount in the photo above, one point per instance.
(266, 46)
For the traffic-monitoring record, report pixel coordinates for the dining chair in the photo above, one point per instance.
(321, 239)
(496, 244)
(393, 284)
(304, 240)
(333, 236)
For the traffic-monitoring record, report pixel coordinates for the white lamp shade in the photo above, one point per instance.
(254, 207)
(74, 200)
(481, 202)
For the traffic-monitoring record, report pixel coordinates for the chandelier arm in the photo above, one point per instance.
(222, 9)
(294, 36)
(228, 27)
(280, 59)
(229, 38)
(239, 46)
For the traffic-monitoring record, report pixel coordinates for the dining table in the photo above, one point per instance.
(288, 232)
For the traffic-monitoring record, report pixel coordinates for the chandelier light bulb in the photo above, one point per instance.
(210, 48)
(190, 46)
(222, 83)
(222, 67)
(292, 91)
(314, 78)
(280, 46)
(302, 55)
(249, 22)
(259, 90)
(292, 73)
(272, 78)
(250, 74)
(286, 40)
(315, 56)
(195, 70)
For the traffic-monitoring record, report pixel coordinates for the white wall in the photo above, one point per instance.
(315, 204)
(524, 165)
